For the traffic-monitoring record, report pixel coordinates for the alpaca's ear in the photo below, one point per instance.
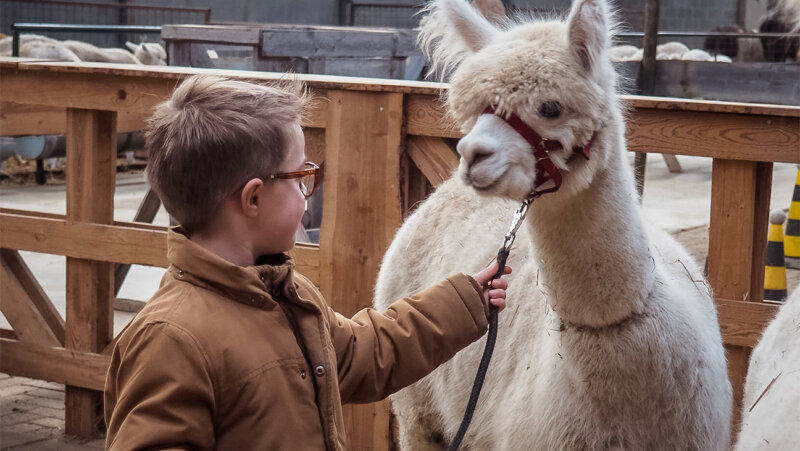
(131, 46)
(452, 30)
(468, 24)
(588, 31)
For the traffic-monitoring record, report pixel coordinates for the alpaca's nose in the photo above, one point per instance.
(474, 149)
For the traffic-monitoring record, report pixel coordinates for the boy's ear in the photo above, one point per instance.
(249, 199)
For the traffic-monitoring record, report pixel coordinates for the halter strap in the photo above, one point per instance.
(546, 170)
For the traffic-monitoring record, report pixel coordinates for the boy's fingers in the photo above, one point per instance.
(497, 294)
(486, 274)
(499, 283)
(499, 303)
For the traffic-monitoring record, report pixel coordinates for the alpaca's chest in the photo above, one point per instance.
(563, 389)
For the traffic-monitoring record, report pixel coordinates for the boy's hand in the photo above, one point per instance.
(494, 291)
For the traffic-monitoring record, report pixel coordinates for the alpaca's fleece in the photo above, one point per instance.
(610, 338)
(790, 9)
(37, 46)
(149, 53)
(697, 55)
(770, 416)
(89, 52)
(622, 52)
(671, 51)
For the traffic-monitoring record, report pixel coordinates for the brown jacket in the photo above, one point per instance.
(229, 357)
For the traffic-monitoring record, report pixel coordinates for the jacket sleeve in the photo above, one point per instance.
(381, 353)
(159, 393)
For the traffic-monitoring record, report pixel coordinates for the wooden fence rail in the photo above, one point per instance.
(385, 146)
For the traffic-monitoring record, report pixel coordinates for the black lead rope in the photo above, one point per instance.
(502, 255)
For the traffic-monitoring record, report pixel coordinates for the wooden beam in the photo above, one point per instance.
(433, 157)
(83, 240)
(146, 213)
(735, 133)
(361, 214)
(8, 333)
(128, 305)
(25, 119)
(426, 116)
(32, 288)
(315, 144)
(742, 322)
(415, 188)
(763, 194)
(733, 196)
(717, 135)
(732, 245)
(44, 214)
(90, 73)
(123, 242)
(91, 177)
(137, 96)
(18, 305)
(672, 163)
(54, 364)
(306, 260)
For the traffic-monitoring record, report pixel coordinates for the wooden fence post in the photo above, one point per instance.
(740, 194)
(361, 214)
(91, 174)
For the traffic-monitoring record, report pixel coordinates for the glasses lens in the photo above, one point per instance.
(307, 185)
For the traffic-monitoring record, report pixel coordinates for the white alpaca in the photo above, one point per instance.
(622, 52)
(770, 416)
(638, 55)
(697, 55)
(37, 46)
(610, 339)
(791, 11)
(90, 52)
(772, 392)
(671, 51)
(770, 413)
(150, 53)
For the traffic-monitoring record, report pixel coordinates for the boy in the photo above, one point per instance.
(236, 350)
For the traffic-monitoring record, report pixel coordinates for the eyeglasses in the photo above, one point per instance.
(310, 178)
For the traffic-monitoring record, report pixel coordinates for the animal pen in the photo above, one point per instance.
(384, 148)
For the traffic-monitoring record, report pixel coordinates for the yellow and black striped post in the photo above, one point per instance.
(792, 238)
(775, 271)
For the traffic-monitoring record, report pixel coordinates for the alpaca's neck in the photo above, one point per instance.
(595, 267)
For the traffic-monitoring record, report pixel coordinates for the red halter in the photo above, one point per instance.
(546, 170)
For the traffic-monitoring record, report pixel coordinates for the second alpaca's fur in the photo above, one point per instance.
(89, 52)
(772, 391)
(149, 53)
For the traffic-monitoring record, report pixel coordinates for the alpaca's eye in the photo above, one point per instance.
(550, 109)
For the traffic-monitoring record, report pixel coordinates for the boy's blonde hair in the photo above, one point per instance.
(212, 135)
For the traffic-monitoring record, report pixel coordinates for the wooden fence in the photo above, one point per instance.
(384, 147)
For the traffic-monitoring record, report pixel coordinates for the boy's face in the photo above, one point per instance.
(284, 204)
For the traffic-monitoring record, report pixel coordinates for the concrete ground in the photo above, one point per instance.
(32, 412)
(32, 417)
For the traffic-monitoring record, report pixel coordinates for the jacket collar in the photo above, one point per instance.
(257, 286)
